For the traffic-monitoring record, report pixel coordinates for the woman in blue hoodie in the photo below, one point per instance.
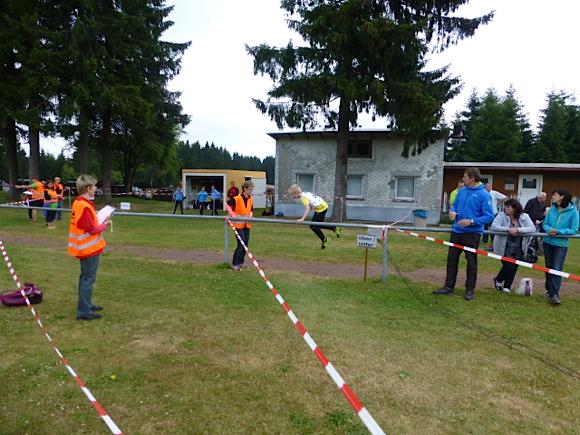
(562, 219)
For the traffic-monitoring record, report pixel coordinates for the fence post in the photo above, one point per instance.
(385, 272)
(226, 242)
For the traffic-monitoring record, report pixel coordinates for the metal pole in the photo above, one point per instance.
(385, 271)
(366, 263)
(226, 242)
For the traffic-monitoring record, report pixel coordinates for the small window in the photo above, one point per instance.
(405, 188)
(362, 149)
(306, 182)
(487, 179)
(529, 183)
(354, 186)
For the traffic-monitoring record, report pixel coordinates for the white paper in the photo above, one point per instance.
(104, 213)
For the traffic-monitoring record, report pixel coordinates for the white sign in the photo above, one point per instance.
(364, 241)
(125, 206)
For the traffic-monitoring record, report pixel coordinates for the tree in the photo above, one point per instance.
(553, 138)
(369, 56)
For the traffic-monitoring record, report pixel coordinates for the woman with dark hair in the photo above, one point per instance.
(514, 244)
(561, 219)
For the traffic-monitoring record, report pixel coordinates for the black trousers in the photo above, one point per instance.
(319, 217)
(180, 204)
(202, 206)
(240, 252)
(35, 203)
(467, 239)
(507, 274)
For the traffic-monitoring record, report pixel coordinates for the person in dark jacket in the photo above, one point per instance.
(535, 208)
(470, 212)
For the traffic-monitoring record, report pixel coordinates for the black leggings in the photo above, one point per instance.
(507, 274)
(319, 217)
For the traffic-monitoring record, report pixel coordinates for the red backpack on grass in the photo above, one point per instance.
(14, 298)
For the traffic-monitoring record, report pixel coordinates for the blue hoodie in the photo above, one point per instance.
(565, 222)
(472, 203)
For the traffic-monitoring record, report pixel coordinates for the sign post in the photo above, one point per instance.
(366, 241)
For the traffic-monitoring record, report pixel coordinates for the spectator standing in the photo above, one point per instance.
(513, 245)
(36, 198)
(562, 219)
(86, 243)
(215, 197)
(233, 191)
(470, 212)
(497, 199)
(242, 206)
(59, 189)
(320, 207)
(202, 200)
(536, 209)
(178, 198)
(51, 204)
(454, 192)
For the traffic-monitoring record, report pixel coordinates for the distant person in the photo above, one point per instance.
(86, 243)
(215, 197)
(320, 207)
(470, 212)
(562, 219)
(536, 209)
(59, 189)
(36, 195)
(201, 198)
(51, 204)
(513, 245)
(497, 199)
(178, 197)
(242, 206)
(233, 191)
(454, 192)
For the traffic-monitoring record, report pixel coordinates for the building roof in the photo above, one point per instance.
(515, 165)
(331, 134)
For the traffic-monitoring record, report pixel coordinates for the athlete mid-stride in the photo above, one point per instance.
(319, 205)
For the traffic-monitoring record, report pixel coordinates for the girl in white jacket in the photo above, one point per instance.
(514, 244)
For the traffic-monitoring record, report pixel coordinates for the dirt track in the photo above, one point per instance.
(433, 277)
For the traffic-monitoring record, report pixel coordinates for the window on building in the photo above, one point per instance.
(306, 182)
(362, 149)
(405, 188)
(354, 186)
(487, 179)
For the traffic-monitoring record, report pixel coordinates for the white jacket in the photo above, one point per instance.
(502, 223)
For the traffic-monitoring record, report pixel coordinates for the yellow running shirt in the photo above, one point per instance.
(316, 202)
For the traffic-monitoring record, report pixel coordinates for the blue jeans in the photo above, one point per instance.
(89, 268)
(555, 257)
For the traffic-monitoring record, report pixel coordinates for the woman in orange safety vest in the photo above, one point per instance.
(242, 205)
(36, 196)
(50, 203)
(86, 243)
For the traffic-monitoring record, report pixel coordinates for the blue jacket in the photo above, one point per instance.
(215, 194)
(202, 196)
(178, 195)
(565, 222)
(472, 203)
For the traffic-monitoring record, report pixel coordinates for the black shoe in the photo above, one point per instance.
(468, 295)
(90, 316)
(443, 291)
(96, 308)
(555, 300)
(323, 246)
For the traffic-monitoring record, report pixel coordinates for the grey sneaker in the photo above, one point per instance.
(468, 295)
(498, 285)
(443, 291)
(555, 300)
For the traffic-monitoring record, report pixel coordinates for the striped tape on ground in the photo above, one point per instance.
(350, 396)
(492, 255)
(104, 416)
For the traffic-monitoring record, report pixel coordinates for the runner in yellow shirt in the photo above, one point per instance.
(319, 205)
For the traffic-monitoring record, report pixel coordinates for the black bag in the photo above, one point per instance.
(531, 256)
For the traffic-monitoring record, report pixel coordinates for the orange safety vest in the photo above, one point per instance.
(81, 243)
(38, 190)
(59, 186)
(52, 193)
(243, 210)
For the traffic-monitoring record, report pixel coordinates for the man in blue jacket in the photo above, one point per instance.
(469, 213)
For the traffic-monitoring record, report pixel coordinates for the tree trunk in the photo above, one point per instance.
(34, 158)
(339, 208)
(12, 155)
(83, 144)
(107, 155)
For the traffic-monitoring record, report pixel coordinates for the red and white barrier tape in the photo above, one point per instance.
(351, 397)
(491, 255)
(108, 421)
(25, 202)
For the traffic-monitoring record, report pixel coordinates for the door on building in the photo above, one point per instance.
(529, 186)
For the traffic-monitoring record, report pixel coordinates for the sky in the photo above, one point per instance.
(530, 44)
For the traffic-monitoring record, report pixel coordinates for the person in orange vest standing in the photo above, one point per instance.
(51, 204)
(242, 205)
(37, 197)
(86, 243)
(59, 189)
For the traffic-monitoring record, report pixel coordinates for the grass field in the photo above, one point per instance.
(199, 349)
